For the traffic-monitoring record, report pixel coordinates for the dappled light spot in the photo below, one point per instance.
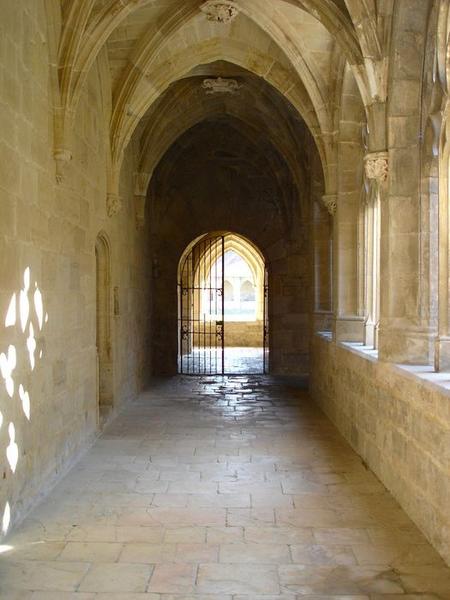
(12, 451)
(1, 419)
(24, 307)
(10, 319)
(31, 345)
(26, 279)
(38, 306)
(25, 398)
(6, 519)
(5, 548)
(24, 304)
(7, 365)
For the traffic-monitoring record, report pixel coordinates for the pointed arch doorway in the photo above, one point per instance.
(223, 302)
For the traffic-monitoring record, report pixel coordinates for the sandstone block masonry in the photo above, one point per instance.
(398, 424)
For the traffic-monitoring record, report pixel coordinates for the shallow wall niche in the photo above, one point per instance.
(103, 324)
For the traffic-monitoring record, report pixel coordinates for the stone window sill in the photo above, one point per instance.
(424, 373)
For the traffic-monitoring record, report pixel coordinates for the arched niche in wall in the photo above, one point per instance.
(103, 325)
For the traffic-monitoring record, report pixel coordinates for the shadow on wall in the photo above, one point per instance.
(24, 317)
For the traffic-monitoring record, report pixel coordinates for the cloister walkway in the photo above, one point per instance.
(231, 488)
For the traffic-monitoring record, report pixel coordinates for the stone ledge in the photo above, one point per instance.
(426, 374)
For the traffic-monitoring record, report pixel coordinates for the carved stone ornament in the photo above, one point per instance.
(113, 204)
(376, 166)
(221, 86)
(62, 158)
(219, 12)
(330, 203)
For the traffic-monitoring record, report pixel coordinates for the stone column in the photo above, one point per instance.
(405, 334)
(376, 168)
(442, 348)
(442, 122)
(348, 324)
(322, 232)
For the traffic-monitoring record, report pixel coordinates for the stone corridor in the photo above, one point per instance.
(220, 489)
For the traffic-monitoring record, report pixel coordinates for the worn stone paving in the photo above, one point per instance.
(231, 488)
(237, 361)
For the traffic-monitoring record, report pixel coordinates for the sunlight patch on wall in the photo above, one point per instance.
(6, 519)
(8, 363)
(12, 451)
(26, 313)
(25, 398)
(10, 319)
(24, 303)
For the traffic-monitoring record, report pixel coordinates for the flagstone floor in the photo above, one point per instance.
(233, 488)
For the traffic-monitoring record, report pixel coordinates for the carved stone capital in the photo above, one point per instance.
(220, 12)
(376, 166)
(62, 158)
(139, 209)
(221, 86)
(330, 203)
(113, 204)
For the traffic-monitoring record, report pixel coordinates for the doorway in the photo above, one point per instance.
(223, 326)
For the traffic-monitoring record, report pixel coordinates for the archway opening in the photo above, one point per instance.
(222, 307)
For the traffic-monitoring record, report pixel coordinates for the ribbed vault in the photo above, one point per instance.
(299, 47)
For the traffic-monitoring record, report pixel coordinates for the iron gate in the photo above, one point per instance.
(266, 323)
(202, 307)
(201, 310)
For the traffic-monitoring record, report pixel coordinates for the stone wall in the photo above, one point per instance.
(245, 334)
(48, 401)
(399, 425)
(242, 334)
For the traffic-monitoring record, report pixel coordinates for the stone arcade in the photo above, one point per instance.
(265, 180)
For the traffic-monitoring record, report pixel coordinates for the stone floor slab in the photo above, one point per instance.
(234, 488)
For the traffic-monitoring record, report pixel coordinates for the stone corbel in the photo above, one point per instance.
(139, 209)
(330, 203)
(113, 199)
(62, 158)
(141, 181)
(113, 204)
(220, 12)
(376, 166)
(62, 120)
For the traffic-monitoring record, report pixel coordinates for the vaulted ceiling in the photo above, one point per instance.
(298, 49)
